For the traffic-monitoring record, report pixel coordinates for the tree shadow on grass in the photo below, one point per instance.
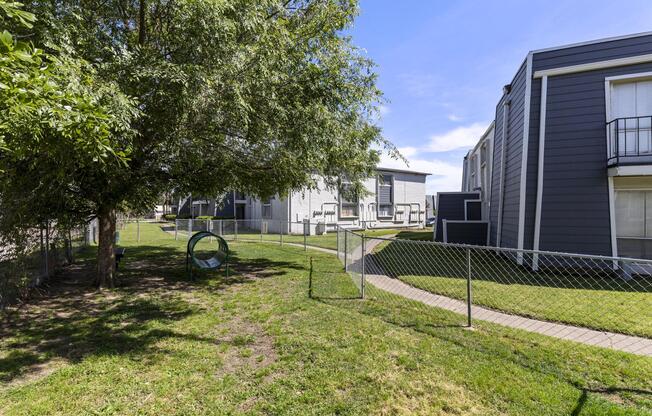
(613, 394)
(71, 320)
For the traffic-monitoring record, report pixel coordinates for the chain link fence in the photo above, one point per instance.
(29, 260)
(597, 300)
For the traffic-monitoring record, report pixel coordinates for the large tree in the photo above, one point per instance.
(254, 95)
(58, 120)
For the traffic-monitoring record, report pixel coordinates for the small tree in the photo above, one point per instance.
(250, 95)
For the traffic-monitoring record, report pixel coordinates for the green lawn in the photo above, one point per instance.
(595, 301)
(254, 343)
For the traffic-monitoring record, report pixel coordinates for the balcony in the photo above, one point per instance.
(629, 141)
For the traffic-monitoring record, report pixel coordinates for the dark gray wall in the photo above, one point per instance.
(474, 233)
(496, 172)
(575, 208)
(532, 165)
(450, 206)
(591, 53)
(513, 159)
(474, 210)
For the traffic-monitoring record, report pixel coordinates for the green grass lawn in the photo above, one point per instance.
(595, 301)
(254, 343)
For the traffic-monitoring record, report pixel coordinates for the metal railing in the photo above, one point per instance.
(629, 139)
(597, 300)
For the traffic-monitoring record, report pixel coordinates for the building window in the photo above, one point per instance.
(239, 196)
(634, 223)
(348, 203)
(267, 208)
(474, 172)
(385, 197)
(634, 214)
(630, 127)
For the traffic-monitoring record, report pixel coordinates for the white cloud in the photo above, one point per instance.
(445, 177)
(454, 117)
(460, 137)
(383, 110)
(408, 151)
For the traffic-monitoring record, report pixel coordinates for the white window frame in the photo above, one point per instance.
(342, 203)
(263, 205)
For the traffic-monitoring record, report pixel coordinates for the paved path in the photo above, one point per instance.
(620, 342)
(636, 345)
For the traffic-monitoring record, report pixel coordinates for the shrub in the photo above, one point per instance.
(204, 217)
(170, 217)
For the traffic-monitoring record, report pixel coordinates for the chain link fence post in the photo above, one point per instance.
(305, 224)
(337, 240)
(138, 229)
(469, 299)
(362, 277)
(176, 229)
(346, 251)
(235, 229)
(281, 226)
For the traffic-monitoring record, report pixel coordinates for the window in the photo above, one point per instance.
(474, 171)
(348, 203)
(634, 214)
(631, 102)
(239, 196)
(385, 197)
(634, 224)
(267, 208)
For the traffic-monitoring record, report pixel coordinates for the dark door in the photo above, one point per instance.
(239, 211)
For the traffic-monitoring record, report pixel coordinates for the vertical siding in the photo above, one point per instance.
(496, 171)
(513, 160)
(575, 209)
(532, 165)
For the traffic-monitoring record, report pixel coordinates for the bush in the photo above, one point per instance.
(170, 217)
(204, 217)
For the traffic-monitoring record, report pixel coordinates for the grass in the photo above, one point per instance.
(598, 301)
(253, 343)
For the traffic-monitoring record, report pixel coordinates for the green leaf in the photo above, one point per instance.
(6, 39)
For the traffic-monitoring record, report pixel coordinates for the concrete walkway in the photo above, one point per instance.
(631, 344)
(620, 342)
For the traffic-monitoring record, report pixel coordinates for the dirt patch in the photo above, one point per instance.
(37, 371)
(246, 347)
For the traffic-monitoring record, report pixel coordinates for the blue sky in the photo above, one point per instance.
(442, 64)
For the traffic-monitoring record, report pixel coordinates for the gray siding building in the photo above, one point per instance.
(572, 151)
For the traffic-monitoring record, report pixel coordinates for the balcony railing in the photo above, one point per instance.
(629, 140)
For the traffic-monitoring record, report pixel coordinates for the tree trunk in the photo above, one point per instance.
(142, 29)
(105, 252)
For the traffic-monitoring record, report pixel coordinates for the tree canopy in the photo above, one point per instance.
(197, 95)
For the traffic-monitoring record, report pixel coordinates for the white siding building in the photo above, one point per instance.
(476, 174)
(397, 198)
